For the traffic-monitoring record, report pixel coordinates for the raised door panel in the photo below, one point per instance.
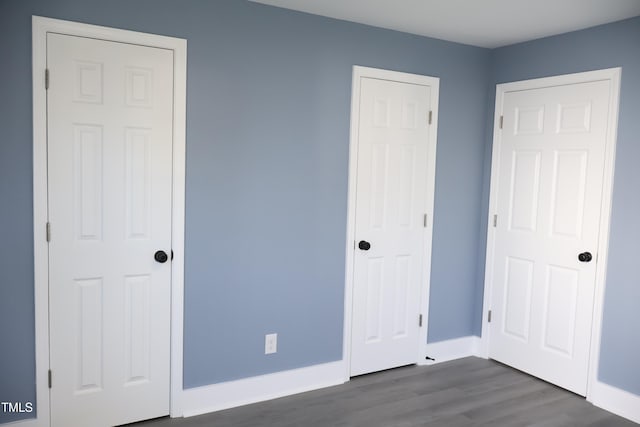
(559, 310)
(517, 298)
(89, 334)
(138, 183)
(525, 189)
(137, 332)
(568, 193)
(88, 181)
(401, 296)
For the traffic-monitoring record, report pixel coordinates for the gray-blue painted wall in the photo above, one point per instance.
(268, 105)
(267, 152)
(614, 45)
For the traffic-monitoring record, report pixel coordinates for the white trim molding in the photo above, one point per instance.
(612, 75)
(434, 85)
(40, 27)
(457, 348)
(231, 394)
(615, 400)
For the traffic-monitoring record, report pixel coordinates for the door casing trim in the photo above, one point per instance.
(613, 75)
(434, 84)
(40, 27)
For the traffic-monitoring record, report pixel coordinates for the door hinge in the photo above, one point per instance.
(489, 316)
(430, 116)
(48, 231)
(46, 79)
(495, 220)
(501, 121)
(49, 378)
(420, 321)
(425, 219)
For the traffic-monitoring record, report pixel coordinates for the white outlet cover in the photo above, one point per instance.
(270, 343)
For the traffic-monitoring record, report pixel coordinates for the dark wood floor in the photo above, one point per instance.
(465, 392)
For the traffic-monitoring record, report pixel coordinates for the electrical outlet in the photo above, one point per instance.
(270, 343)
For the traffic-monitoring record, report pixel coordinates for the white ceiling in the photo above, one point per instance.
(484, 23)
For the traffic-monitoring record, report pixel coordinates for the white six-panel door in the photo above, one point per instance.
(110, 174)
(391, 202)
(550, 184)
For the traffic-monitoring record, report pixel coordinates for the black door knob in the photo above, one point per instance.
(585, 257)
(161, 257)
(364, 245)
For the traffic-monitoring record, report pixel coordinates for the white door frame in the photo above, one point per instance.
(434, 84)
(613, 75)
(40, 27)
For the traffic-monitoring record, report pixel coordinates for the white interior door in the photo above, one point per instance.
(109, 109)
(391, 203)
(551, 168)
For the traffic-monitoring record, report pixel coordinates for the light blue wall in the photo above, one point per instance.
(606, 46)
(267, 152)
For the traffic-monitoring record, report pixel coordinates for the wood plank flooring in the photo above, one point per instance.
(465, 392)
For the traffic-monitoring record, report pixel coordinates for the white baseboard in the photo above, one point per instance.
(457, 348)
(616, 400)
(216, 397)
